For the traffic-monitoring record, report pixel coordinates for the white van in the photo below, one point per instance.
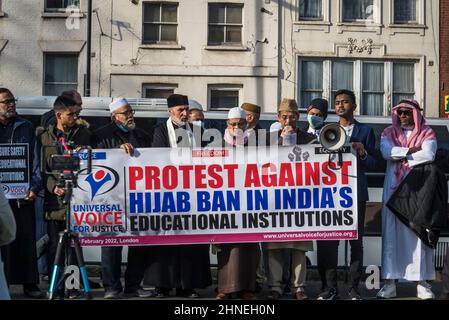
(150, 112)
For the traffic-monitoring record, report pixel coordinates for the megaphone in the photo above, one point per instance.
(332, 137)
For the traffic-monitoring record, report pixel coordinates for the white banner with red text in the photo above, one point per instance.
(191, 196)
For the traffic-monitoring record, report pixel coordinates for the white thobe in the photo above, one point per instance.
(404, 255)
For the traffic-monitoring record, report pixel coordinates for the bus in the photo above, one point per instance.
(150, 112)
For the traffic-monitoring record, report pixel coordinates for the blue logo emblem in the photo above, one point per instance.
(99, 178)
(5, 188)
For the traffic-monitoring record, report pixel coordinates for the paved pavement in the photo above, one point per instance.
(405, 291)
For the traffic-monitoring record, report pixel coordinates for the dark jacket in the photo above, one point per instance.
(364, 134)
(54, 207)
(48, 118)
(23, 132)
(19, 257)
(420, 202)
(161, 139)
(110, 137)
(177, 266)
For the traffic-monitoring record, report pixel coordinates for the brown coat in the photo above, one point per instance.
(237, 265)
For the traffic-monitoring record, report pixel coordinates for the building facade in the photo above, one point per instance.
(383, 50)
(222, 53)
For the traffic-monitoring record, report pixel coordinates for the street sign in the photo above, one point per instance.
(446, 107)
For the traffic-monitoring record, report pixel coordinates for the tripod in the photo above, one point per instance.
(66, 237)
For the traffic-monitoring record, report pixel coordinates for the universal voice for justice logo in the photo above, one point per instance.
(101, 180)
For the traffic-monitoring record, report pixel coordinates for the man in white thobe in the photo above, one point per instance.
(405, 144)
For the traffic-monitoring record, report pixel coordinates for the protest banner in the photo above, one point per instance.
(14, 171)
(186, 196)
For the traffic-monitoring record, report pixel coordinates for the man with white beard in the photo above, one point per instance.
(407, 143)
(122, 133)
(183, 267)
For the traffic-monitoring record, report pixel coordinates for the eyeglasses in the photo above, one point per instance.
(126, 113)
(74, 114)
(404, 112)
(236, 124)
(289, 118)
(9, 102)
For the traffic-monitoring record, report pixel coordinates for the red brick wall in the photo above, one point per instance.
(444, 52)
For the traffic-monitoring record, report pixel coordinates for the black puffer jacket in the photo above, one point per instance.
(420, 202)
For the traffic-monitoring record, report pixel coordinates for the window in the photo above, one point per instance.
(61, 73)
(158, 90)
(373, 89)
(342, 77)
(225, 24)
(311, 81)
(160, 22)
(405, 11)
(224, 97)
(310, 10)
(358, 10)
(373, 82)
(60, 5)
(403, 82)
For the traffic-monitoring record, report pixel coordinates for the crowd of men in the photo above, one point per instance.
(406, 145)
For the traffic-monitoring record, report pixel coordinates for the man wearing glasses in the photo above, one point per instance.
(49, 117)
(287, 260)
(407, 143)
(122, 133)
(20, 256)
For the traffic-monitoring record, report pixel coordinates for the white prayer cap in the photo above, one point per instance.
(117, 103)
(236, 113)
(195, 105)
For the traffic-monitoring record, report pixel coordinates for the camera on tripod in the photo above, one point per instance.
(66, 167)
(64, 163)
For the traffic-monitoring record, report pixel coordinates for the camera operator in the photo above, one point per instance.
(62, 138)
(122, 133)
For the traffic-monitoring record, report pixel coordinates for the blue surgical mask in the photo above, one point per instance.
(123, 128)
(315, 122)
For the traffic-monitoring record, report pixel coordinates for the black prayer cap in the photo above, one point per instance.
(177, 100)
(320, 104)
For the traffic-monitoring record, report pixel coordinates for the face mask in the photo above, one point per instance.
(315, 121)
(123, 128)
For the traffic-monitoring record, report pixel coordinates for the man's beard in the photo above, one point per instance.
(8, 114)
(130, 125)
(179, 122)
(407, 126)
(236, 132)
